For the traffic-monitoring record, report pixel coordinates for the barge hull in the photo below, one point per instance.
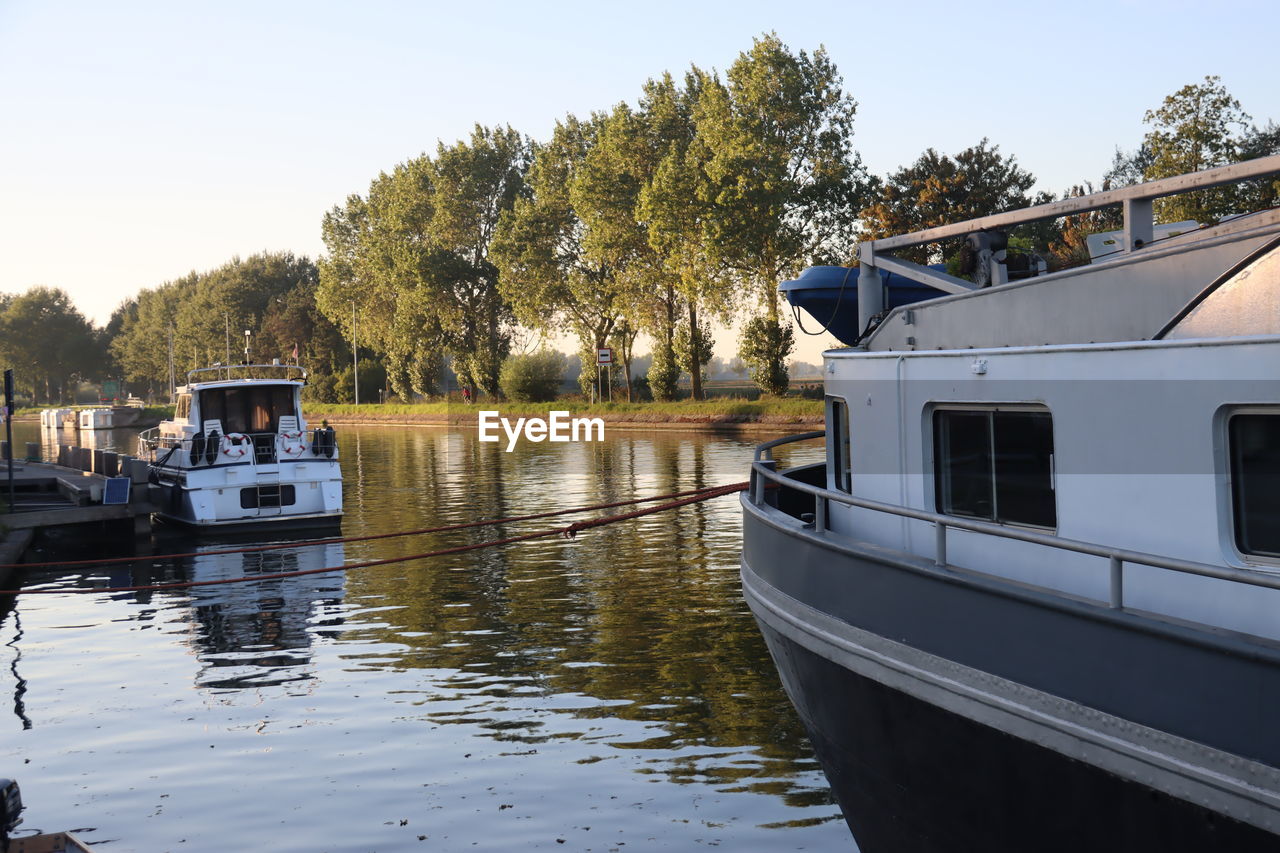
(941, 733)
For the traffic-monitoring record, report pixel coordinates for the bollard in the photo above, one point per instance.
(98, 464)
(84, 459)
(110, 463)
(4, 450)
(33, 451)
(138, 471)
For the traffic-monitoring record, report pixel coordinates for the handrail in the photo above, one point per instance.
(1146, 192)
(219, 368)
(762, 469)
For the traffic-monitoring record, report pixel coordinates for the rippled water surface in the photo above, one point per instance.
(609, 692)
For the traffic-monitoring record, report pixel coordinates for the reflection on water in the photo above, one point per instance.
(601, 693)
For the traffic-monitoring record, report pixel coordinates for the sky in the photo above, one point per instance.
(142, 141)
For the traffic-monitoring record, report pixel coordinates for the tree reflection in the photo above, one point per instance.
(644, 617)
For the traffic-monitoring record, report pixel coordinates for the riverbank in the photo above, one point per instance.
(683, 415)
(760, 415)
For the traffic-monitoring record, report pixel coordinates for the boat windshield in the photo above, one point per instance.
(251, 409)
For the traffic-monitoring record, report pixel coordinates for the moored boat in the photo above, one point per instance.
(238, 452)
(1031, 599)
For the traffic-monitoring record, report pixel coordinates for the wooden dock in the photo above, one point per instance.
(56, 499)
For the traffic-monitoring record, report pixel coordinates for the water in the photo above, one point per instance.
(608, 693)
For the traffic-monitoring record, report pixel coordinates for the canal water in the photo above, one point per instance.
(607, 693)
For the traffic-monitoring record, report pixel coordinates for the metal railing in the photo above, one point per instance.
(764, 470)
(247, 371)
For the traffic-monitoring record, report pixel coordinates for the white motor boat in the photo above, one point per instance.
(238, 452)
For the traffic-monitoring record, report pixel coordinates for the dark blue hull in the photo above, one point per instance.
(914, 778)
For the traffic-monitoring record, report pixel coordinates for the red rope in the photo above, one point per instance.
(568, 532)
(339, 540)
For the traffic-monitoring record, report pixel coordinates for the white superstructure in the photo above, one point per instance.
(238, 451)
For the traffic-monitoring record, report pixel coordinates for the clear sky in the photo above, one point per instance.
(141, 141)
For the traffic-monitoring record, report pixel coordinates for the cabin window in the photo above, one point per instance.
(249, 409)
(1254, 446)
(996, 465)
(184, 406)
(838, 429)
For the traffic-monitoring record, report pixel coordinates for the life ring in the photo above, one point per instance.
(291, 443)
(235, 445)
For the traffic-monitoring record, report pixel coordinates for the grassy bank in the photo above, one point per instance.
(724, 411)
(712, 412)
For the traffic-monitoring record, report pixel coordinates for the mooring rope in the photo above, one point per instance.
(338, 540)
(570, 531)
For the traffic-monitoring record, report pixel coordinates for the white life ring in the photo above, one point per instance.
(291, 443)
(235, 445)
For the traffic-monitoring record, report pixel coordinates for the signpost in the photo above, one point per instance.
(604, 367)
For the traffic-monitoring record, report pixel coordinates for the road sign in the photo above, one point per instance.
(604, 355)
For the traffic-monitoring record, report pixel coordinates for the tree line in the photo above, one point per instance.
(687, 208)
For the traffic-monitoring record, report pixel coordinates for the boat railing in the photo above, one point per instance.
(246, 371)
(764, 471)
(1137, 206)
(261, 448)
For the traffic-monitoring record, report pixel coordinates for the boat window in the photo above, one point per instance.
(838, 430)
(184, 406)
(1254, 442)
(995, 465)
(251, 409)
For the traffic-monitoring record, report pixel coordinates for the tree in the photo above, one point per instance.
(783, 180)
(677, 206)
(205, 316)
(1259, 142)
(1198, 127)
(413, 260)
(937, 190)
(48, 341)
(533, 377)
(474, 184)
(1070, 248)
(554, 274)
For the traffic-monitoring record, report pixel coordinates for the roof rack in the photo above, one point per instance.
(229, 372)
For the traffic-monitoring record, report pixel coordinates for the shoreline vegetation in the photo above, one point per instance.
(685, 414)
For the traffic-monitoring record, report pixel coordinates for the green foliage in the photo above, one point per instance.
(1197, 127)
(48, 343)
(783, 176)
(937, 190)
(413, 260)
(766, 344)
(664, 372)
(533, 377)
(205, 315)
(693, 348)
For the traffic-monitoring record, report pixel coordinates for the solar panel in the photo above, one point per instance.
(117, 490)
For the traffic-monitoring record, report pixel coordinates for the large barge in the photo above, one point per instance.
(1031, 599)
